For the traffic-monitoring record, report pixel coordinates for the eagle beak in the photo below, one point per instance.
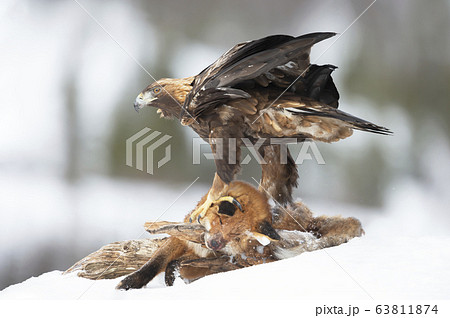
(136, 107)
(139, 102)
(143, 100)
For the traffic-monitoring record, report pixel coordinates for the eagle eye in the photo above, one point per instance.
(227, 208)
(156, 90)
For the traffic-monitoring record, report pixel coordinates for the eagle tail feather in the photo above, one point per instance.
(361, 124)
(352, 121)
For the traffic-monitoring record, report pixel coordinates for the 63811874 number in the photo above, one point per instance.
(406, 309)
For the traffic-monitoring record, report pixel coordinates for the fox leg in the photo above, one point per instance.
(313, 234)
(178, 268)
(195, 268)
(335, 230)
(171, 250)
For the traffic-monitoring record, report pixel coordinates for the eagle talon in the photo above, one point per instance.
(200, 212)
(232, 200)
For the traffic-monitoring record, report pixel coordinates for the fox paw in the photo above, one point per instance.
(132, 281)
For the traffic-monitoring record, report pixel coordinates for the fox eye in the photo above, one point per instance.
(227, 208)
(156, 90)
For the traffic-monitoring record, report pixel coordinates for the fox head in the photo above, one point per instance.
(240, 221)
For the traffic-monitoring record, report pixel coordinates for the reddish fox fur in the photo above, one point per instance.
(249, 231)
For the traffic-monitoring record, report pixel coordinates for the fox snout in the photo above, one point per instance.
(215, 242)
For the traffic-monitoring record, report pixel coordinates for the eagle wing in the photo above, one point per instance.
(276, 60)
(271, 82)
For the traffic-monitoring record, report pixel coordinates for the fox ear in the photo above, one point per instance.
(267, 229)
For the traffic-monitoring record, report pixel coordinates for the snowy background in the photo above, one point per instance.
(66, 111)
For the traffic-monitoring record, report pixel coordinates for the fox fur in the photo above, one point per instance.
(240, 236)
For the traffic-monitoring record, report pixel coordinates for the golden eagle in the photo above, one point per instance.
(264, 88)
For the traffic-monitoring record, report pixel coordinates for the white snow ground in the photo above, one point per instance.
(364, 269)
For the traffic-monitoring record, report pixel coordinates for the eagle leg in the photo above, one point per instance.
(227, 152)
(279, 175)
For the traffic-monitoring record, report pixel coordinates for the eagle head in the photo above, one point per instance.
(166, 94)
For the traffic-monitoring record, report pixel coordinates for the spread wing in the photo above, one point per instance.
(274, 60)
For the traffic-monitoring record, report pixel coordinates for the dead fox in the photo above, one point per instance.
(241, 229)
